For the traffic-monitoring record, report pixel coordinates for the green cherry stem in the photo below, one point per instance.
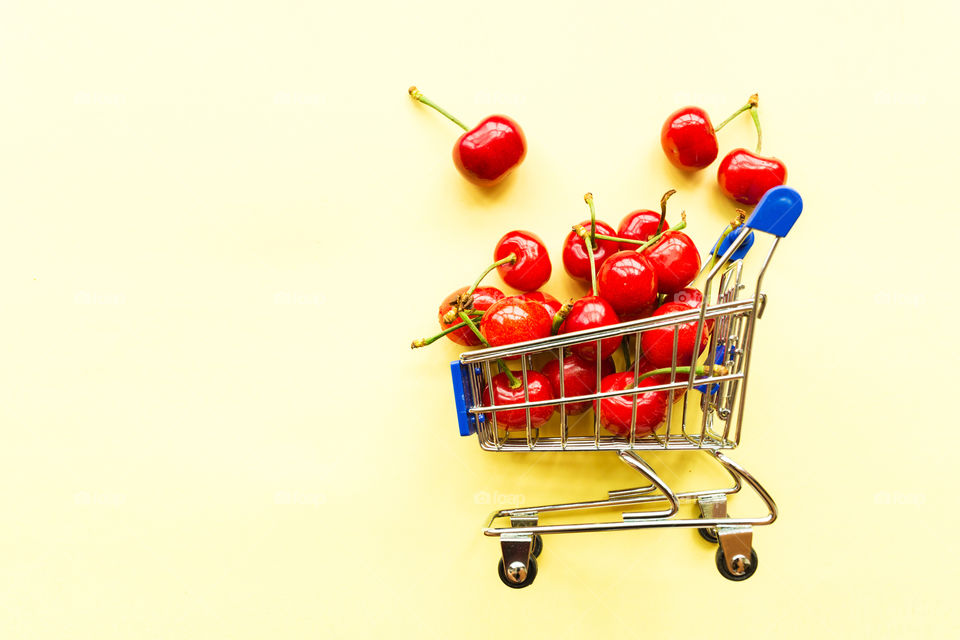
(422, 342)
(736, 222)
(663, 209)
(701, 370)
(511, 258)
(756, 122)
(463, 300)
(588, 198)
(561, 316)
(514, 383)
(752, 102)
(593, 264)
(419, 97)
(655, 239)
(677, 227)
(652, 239)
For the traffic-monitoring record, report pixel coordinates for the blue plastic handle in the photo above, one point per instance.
(776, 212)
(728, 240)
(463, 397)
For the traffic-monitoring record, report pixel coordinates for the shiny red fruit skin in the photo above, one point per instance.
(591, 312)
(551, 304)
(532, 267)
(579, 379)
(675, 259)
(688, 296)
(692, 299)
(616, 412)
(628, 282)
(688, 139)
(575, 258)
(639, 225)
(488, 152)
(516, 419)
(483, 297)
(657, 344)
(513, 320)
(745, 176)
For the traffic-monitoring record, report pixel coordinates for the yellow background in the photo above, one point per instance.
(224, 222)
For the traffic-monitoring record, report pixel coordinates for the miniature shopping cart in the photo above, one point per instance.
(708, 417)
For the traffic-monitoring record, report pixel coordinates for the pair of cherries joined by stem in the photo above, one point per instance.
(627, 285)
(653, 260)
(689, 140)
(523, 262)
(487, 153)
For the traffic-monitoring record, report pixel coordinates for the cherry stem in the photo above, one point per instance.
(645, 243)
(756, 122)
(514, 383)
(419, 97)
(752, 102)
(561, 316)
(456, 307)
(451, 314)
(593, 265)
(588, 198)
(663, 209)
(422, 342)
(511, 258)
(701, 370)
(626, 353)
(736, 222)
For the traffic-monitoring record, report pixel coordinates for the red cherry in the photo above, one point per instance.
(675, 259)
(692, 299)
(483, 298)
(576, 261)
(688, 296)
(538, 388)
(657, 344)
(616, 412)
(532, 267)
(628, 282)
(688, 139)
(745, 176)
(590, 312)
(639, 225)
(513, 320)
(579, 379)
(551, 304)
(489, 151)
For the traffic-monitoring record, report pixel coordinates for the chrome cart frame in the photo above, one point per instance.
(711, 421)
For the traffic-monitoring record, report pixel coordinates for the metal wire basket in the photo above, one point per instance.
(704, 412)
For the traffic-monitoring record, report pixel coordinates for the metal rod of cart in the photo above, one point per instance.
(704, 413)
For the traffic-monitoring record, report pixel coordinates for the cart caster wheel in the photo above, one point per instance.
(537, 545)
(708, 534)
(748, 567)
(524, 574)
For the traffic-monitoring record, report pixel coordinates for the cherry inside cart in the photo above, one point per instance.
(708, 417)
